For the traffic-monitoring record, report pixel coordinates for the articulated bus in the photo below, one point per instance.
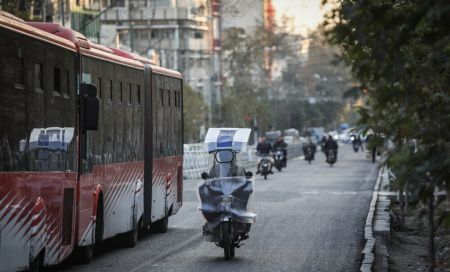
(90, 144)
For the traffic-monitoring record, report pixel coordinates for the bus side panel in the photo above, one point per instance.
(174, 163)
(115, 150)
(38, 171)
(159, 164)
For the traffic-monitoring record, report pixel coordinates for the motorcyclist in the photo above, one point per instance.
(356, 140)
(264, 148)
(309, 143)
(281, 144)
(323, 141)
(331, 144)
(225, 165)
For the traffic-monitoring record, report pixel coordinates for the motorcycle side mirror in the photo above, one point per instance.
(205, 176)
(249, 174)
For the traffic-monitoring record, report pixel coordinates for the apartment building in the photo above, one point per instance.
(179, 32)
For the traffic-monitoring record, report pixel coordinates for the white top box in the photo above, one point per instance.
(227, 138)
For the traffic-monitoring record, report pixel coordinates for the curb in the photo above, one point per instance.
(368, 252)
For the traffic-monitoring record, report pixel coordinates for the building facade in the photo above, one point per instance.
(178, 32)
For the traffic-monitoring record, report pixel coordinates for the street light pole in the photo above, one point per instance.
(63, 22)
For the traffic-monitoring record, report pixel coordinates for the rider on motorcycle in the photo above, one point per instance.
(225, 165)
(309, 143)
(281, 144)
(331, 144)
(264, 148)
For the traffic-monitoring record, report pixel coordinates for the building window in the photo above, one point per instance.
(118, 3)
(198, 35)
(38, 77)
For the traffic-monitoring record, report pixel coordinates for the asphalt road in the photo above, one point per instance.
(310, 218)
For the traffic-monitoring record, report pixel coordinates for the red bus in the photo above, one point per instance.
(91, 144)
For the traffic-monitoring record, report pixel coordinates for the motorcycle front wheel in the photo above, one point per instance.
(228, 247)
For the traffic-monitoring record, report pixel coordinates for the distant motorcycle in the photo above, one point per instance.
(331, 157)
(279, 160)
(355, 143)
(309, 154)
(265, 166)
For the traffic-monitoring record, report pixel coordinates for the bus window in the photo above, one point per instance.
(168, 98)
(18, 73)
(110, 91)
(138, 95)
(120, 92)
(65, 84)
(129, 93)
(57, 81)
(38, 77)
(99, 87)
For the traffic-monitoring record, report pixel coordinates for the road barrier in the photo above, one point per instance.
(196, 159)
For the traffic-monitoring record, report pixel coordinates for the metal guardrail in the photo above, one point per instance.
(196, 159)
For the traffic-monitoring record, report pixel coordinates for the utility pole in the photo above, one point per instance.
(130, 25)
(63, 19)
(216, 58)
(177, 37)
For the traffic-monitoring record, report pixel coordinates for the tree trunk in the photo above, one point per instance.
(401, 203)
(406, 198)
(431, 234)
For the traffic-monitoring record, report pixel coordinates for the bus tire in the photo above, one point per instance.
(160, 226)
(85, 254)
(130, 239)
(37, 265)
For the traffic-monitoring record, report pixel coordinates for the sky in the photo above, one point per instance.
(306, 13)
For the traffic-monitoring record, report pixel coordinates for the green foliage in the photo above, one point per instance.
(14, 7)
(194, 114)
(282, 103)
(399, 50)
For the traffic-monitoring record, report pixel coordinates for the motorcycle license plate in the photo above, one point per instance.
(225, 200)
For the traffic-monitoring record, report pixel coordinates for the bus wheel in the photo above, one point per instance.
(37, 264)
(130, 239)
(160, 226)
(85, 254)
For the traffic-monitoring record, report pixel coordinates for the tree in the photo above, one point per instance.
(194, 114)
(400, 53)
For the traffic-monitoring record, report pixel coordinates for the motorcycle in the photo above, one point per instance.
(355, 143)
(225, 195)
(279, 159)
(309, 154)
(331, 157)
(265, 165)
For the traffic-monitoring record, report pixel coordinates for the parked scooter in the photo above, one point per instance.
(279, 159)
(226, 191)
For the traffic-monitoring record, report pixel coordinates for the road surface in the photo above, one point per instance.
(310, 218)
